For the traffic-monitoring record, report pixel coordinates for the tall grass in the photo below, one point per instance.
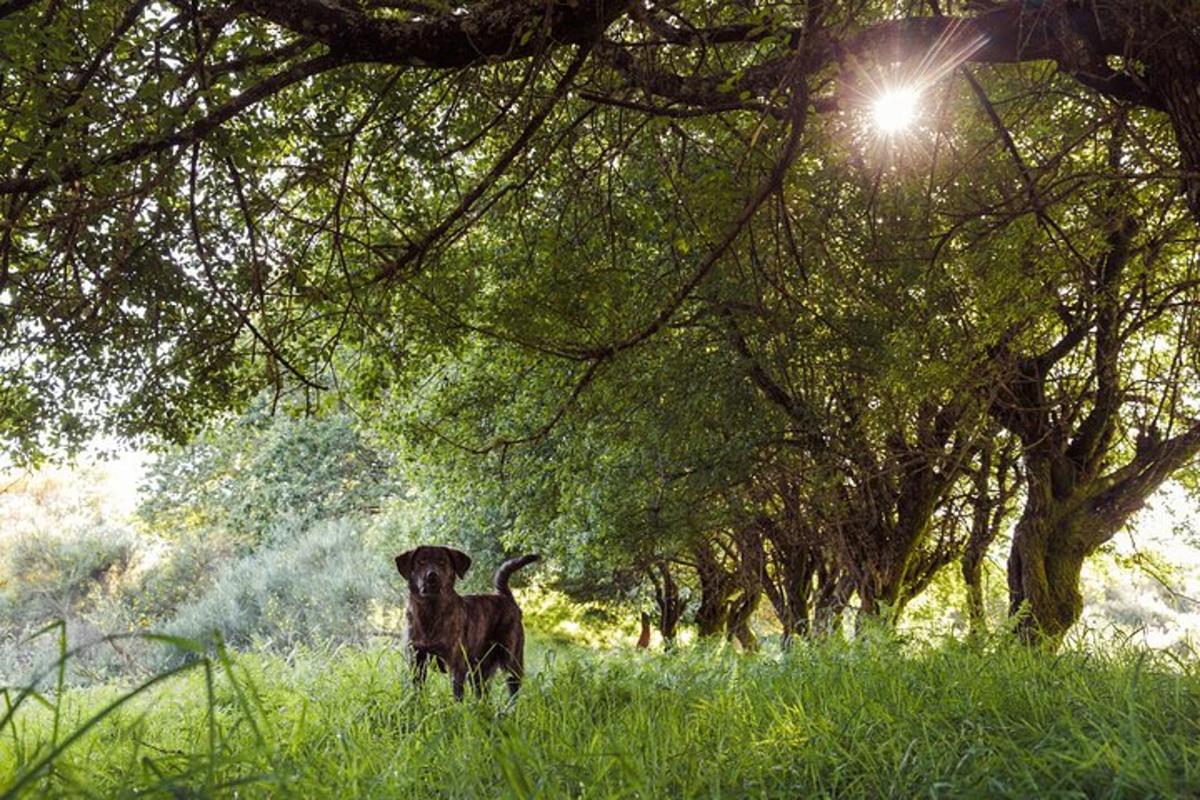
(869, 719)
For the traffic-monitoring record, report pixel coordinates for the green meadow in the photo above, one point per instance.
(878, 718)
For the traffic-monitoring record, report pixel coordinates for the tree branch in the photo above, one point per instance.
(198, 130)
(501, 30)
(414, 252)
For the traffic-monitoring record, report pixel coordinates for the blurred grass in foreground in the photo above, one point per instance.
(870, 719)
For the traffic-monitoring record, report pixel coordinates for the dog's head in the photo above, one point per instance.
(431, 571)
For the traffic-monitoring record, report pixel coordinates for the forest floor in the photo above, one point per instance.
(868, 719)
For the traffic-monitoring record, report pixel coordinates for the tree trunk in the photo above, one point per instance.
(670, 606)
(777, 597)
(715, 590)
(880, 591)
(977, 544)
(785, 575)
(832, 598)
(790, 602)
(643, 641)
(972, 572)
(741, 611)
(995, 485)
(1043, 577)
(1173, 73)
(1065, 520)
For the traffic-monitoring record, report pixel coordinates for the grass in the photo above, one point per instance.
(871, 719)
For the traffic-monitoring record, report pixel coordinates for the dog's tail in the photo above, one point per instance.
(500, 579)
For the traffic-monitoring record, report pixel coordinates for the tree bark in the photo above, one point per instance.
(994, 484)
(716, 590)
(741, 611)
(1043, 575)
(832, 598)
(670, 606)
(1170, 48)
(790, 590)
(1067, 519)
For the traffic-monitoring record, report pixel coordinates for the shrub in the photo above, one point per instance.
(47, 576)
(316, 587)
(175, 574)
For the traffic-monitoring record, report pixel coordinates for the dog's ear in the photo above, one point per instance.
(460, 560)
(404, 563)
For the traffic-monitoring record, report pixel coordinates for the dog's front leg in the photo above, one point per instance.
(420, 665)
(457, 667)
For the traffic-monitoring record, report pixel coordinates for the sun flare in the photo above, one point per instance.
(895, 109)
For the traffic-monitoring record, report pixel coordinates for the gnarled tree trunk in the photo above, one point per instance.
(740, 613)
(833, 595)
(1044, 567)
(670, 605)
(993, 486)
(716, 590)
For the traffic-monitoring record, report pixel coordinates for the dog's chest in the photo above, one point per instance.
(435, 628)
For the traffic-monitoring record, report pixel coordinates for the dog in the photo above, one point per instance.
(467, 636)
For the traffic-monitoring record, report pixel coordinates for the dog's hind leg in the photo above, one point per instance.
(515, 664)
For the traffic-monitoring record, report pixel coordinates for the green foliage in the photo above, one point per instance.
(88, 580)
(566, 302)
(299, 486)
(259, 477)
(182, 569)
(872, 720)
(559, 619)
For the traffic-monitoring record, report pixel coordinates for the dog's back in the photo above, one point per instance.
(495, 636)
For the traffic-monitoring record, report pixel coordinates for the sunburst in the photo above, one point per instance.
(892, 95)
(894, 110)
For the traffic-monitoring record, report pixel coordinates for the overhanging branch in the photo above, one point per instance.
(502, 30)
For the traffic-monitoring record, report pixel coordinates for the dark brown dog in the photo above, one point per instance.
(473, 635)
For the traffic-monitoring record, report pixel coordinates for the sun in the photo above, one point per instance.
(895, 110)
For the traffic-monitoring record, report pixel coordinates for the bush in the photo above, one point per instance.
(58, 576)
(65, 576)
(314, 588)
(178, 573)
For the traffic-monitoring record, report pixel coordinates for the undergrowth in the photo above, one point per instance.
(868, 719)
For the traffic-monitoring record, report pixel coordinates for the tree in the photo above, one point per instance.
(624, 256)
(994, 484)
(258, 477)
(1101, 413)
(203, 198)
(798, 568)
